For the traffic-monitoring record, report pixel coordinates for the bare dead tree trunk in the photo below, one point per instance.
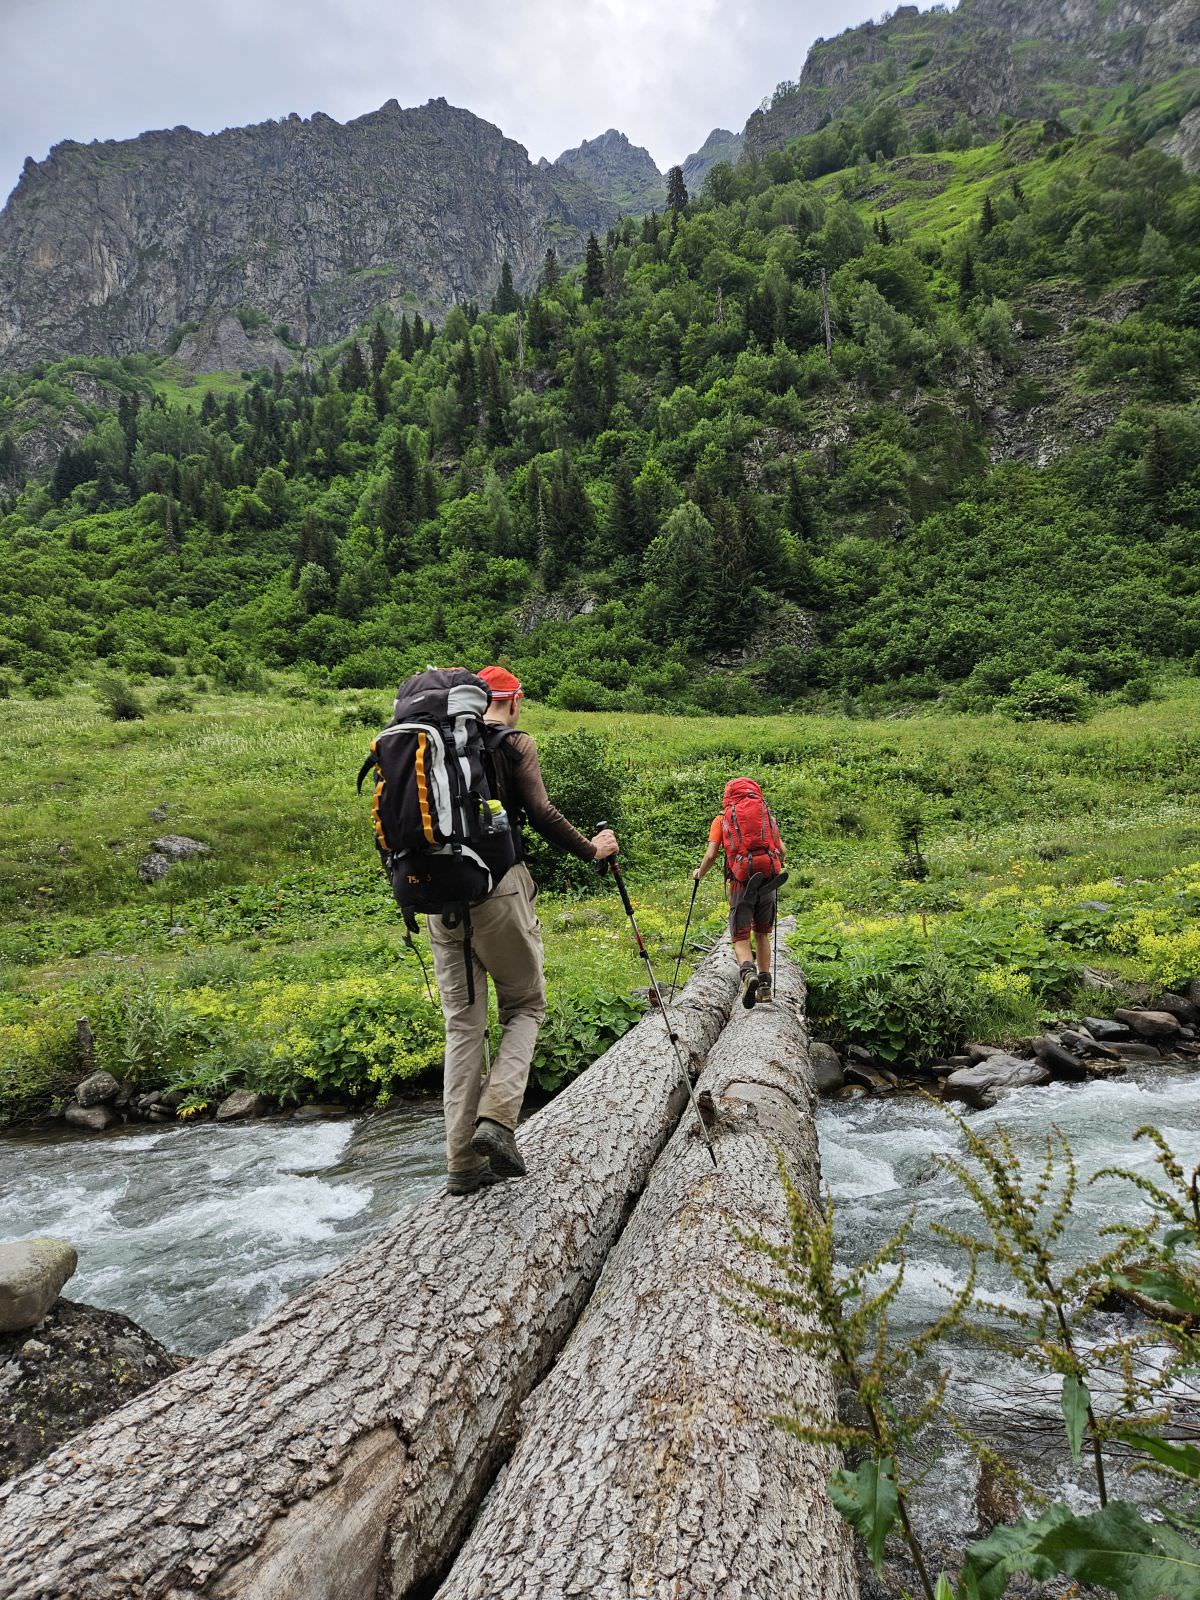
(339, 1449)
(647, 1463)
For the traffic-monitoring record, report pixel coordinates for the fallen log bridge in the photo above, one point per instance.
(646, 1464)
(339, 1449)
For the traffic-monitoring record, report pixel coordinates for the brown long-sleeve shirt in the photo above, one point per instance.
(523, 792)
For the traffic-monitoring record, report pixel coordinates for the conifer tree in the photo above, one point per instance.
(406, 337)
(506, 298)
(677, 195)
(987, 217)
(593, 271)
(418, 331)
(883, 233)
(539, 329)
(798, 513)
(379, 396)
(967, 286)
(354, 369)
(216, 517)
(621, 534)
(379, 349)
(550, 273)
(467, 382)
(495, 399)
(583, 395)
(208, 408)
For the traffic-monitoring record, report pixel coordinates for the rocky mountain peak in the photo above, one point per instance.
(620, 171)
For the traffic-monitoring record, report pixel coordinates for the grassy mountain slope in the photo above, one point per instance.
(654, 489)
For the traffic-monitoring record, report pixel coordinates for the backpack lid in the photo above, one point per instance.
(739, 789)
(439, 694)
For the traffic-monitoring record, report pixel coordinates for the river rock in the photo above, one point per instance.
(982, 1052)
(1193, 992)
(976, 1086)
(876, 1080)
(1060, 1062)
(319, 1111)
(101, 1088)
(241, 1103)
(84, 1363)
(1084, 1044)
(93, 1119)
(827, 1068)
(1138, 1050)
(1149, 1024)
(1105, 1029)
(1179, 1007)
(32, 1273)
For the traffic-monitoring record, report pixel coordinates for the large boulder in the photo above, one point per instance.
(98, 1089)
(32, 1273)
(178, 847)
(92, 1119)
(81, 1364)
(827, 1068)
(1153, 1025)
(981, 1086)
(241, 1103)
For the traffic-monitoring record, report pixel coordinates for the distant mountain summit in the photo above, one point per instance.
(620, 172)
(721, 145)
(309, 223)
(989, 59)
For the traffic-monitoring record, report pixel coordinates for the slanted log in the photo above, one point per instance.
(646, 1463)
(339, 1449)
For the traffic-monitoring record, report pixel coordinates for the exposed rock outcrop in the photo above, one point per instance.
(620, 172)
(310, 223)
(721, 145)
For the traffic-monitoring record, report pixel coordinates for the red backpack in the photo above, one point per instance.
(749, 833)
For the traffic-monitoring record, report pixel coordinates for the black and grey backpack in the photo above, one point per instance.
(444, 839)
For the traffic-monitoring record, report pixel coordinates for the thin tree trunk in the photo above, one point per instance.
(340, 1448)
(646, 1463)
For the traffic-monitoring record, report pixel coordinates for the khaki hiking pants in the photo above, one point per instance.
(507, 941)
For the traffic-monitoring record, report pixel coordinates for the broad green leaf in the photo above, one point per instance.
(1118, 1549)
(1183, 1458)
(868, 1500)
(943, 1590)
(1075, 1403)
(1008, 1551)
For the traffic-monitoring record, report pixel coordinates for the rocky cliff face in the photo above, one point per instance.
(109, 247)
(622, 173)
(721, 145)
(1021, 58)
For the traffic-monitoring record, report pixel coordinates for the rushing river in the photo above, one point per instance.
(199, 1232)
(879, 1163)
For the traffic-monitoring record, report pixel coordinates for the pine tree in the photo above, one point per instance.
(1018, 193)
(418, 331)
(583, 396)
(495, 399)
(467, 382)
(609, 385)
(987, 217)
(399, 509)
(1159, 464)
(677, 195)
(506, 299)
(593, 271)
(406, 338)
(550, 272)
(232, 415)
(208, 408)
(379, 396)
(621, 535)
(354, 369)
(216, 517)
(798, 514)
(967, 286)
(379, 349)
(540, 330)
(884, 233)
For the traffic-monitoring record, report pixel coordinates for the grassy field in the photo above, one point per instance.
(276, 960)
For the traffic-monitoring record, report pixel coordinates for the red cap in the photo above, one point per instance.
(502, 683)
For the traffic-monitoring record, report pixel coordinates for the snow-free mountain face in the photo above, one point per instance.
(619, 171)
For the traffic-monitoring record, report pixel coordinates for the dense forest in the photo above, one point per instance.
(855, 425)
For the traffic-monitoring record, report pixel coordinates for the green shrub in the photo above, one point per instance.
(174, 700)
(1045, 697)
(120, 700)
(577, 1029)
(585, 783)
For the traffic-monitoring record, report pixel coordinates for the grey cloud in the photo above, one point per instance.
(548, 73)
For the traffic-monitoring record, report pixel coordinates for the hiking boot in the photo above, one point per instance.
(470, 1182)
(749, 985)
(765, 991)
(495, 1141)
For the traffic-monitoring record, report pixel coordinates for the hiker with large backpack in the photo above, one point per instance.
(456, 782)
(746, 830)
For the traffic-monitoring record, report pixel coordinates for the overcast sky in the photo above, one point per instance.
(550, 73)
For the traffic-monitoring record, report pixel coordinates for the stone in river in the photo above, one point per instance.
(827, 1068)
(1060, 1062)
(1105, 1029)
(94, 1119)
(1150, 1024)
(976, 1086)
(241, 1103)
(32, 1274)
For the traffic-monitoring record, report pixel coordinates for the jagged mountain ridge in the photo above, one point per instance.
(721, 145)
(622, 172)
(985, 60)
(109, 247)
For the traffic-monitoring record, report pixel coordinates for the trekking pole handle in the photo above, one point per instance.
(611, 866)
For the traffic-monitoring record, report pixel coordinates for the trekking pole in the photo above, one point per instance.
(605, 866)
(683, 941)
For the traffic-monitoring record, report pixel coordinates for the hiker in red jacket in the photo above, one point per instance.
(754, 857)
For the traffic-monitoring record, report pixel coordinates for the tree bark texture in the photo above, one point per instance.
(647, 1466)
(339, 1449)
